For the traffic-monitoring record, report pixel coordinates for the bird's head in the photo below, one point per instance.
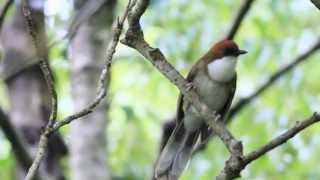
(226, 48)
(221, 60)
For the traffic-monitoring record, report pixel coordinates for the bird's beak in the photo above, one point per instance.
(242, 52)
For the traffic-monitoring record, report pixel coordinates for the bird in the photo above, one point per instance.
(213, 77)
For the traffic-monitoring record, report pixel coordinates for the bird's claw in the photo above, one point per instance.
(217, 118)
(190, 86)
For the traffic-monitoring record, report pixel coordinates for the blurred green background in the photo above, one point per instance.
(274, 33)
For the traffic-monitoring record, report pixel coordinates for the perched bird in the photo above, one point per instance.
(214, 79)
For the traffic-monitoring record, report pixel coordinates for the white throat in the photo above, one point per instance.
(223, 69)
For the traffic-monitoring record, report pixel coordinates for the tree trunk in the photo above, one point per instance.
(28, 93)
(88, 47)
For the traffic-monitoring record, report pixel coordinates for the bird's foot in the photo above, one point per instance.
(218, 117)
(190, 86)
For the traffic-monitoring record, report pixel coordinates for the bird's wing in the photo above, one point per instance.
(224, 111)
(180, 113)
(190, 77)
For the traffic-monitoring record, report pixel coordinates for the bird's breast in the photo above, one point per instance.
(214, 94)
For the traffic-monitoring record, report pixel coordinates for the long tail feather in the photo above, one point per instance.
(176, 154)
(169, 151)
(184, 155)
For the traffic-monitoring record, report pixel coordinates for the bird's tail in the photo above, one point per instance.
(176, 154)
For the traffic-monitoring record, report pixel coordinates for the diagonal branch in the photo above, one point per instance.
(236, 108)
(134, 38)
(233, 167)
(236, 23)
(234, 28)
(4, 11)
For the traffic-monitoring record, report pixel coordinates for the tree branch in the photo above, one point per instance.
(236, 23)
(44, 65)
(316, 3)
(52, 124)
(282, 138)
(237, 107)
(4, 11)
(134, 38)
(234, 166)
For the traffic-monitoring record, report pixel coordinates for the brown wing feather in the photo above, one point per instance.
(223, 112)
(190, 77)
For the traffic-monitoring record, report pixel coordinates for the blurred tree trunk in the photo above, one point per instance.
(29, 97)
(88, 50)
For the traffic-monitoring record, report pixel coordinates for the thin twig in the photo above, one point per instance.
(4, 11)
(118, 26)
(236, 23)
(237, 107)
(44, 65)
(233, 166)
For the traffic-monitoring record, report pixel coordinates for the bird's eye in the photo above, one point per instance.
(231, 52)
